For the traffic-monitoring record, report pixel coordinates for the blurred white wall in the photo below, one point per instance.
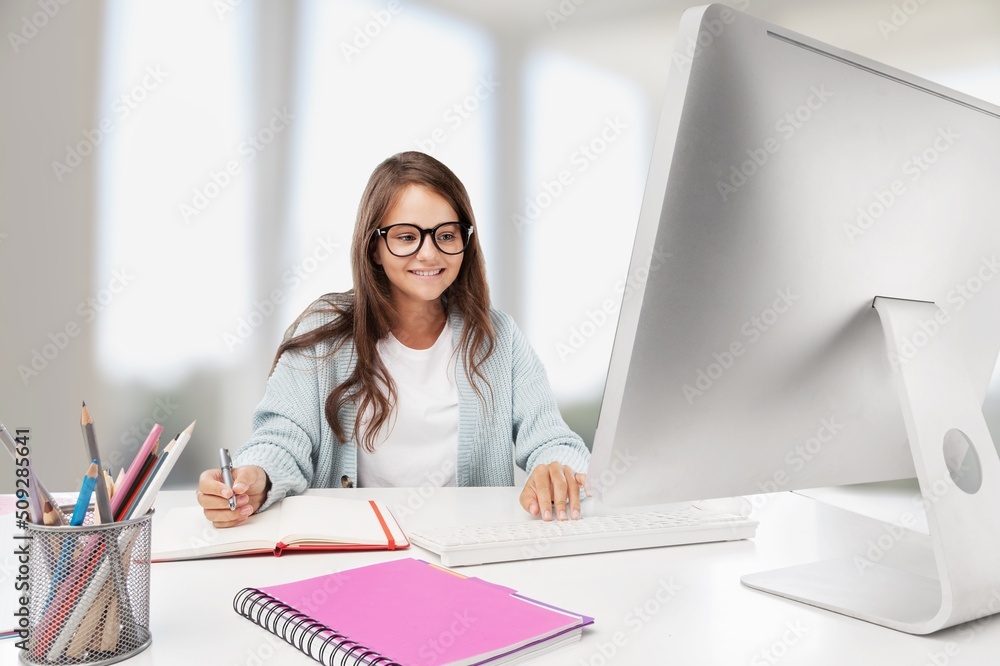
(179, 179)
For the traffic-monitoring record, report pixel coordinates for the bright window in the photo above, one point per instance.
(375, 83)
(586, 153)
(173, 238)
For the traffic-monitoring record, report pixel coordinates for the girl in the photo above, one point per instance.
(409, 378)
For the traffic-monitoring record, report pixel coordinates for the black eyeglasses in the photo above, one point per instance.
(404, 240)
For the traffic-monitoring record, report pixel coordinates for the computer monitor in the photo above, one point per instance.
(792, 183)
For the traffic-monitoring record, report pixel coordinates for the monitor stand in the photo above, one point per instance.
(957, 467)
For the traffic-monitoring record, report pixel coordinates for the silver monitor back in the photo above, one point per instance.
(791, 182)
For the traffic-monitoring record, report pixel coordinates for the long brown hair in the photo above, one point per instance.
(366, 314)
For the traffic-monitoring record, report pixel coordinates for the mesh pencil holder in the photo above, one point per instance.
(88, 600)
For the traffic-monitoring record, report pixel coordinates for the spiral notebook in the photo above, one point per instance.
(406, 612)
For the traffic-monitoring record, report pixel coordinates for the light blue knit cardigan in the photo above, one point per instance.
(294, 444)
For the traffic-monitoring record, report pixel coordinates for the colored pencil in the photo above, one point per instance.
(10, 444)
(104, 509)
(149, 478)
(140, 481)
(52, 622)
(108, 483)
(83, 500)
(124, 489)
(55, 513)
(149, 496)
(99, 629)
(52, 515)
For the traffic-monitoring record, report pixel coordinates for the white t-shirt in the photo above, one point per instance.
(418, 446)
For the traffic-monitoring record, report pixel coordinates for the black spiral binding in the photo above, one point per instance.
(296, 628)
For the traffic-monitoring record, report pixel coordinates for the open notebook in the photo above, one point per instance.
(406, 612)
(302, 522)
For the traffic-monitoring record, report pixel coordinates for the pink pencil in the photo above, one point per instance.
(133, 471)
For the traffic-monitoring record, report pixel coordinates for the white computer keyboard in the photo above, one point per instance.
(525, 540)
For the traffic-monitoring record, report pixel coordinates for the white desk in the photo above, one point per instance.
(708, 616)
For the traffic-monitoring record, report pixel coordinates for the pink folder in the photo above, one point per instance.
(408, 611)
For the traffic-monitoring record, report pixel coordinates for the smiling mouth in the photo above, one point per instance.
(428, 273)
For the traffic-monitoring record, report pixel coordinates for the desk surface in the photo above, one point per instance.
(682, 604)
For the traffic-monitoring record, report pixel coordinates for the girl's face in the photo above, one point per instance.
(424, 276)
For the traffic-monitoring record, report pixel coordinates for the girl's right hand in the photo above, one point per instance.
(250, 484)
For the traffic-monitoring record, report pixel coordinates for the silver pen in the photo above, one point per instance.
(227, 475)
